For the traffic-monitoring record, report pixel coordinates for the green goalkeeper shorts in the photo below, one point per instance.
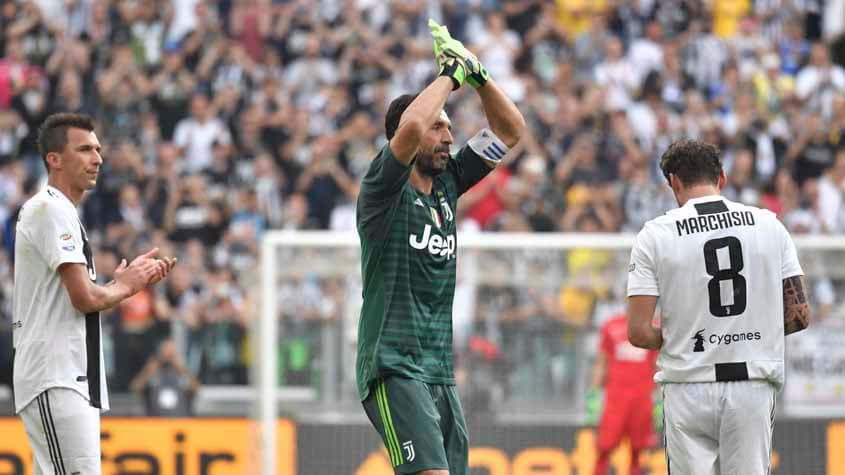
(422, 425)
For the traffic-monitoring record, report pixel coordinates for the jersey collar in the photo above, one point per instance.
(704, 199)
(55, 191)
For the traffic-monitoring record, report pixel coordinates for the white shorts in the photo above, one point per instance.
(64, 432)
(722, 428)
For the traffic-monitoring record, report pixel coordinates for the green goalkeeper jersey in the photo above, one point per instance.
(408, 255)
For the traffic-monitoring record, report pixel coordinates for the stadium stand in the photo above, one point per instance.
(222, 120)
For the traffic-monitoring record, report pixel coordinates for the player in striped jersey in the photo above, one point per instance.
(406, 224)
(59, 376)
(730, 287)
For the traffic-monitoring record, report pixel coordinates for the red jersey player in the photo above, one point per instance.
(626, 373)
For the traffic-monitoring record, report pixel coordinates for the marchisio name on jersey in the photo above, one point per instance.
(713, 222)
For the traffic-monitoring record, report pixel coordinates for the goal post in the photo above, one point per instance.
(310, 297)
(267, 362)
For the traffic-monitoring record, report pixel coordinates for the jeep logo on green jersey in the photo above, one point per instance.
(436, 244)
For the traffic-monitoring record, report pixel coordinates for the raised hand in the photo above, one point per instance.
(144, 270)
(446, 46)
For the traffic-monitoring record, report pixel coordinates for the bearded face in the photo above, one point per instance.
(433, 154)
(433, 161)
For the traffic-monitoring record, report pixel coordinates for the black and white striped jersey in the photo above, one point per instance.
(717, 267)
(55, 344)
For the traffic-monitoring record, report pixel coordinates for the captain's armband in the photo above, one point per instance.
(490, 148)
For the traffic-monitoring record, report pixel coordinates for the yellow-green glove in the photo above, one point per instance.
(453, 69)
(445, 45)
(594, 407)
(657, 415)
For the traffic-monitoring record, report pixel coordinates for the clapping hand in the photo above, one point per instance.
(447, 49)
(144, 271)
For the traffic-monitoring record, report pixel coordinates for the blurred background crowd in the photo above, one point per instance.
(224, 119)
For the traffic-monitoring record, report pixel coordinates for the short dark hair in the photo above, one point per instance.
(52, 136)
(694, 162)
(394, 113)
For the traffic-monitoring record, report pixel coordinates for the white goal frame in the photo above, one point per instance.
(267, 395)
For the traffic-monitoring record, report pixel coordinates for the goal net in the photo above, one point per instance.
(526, 316)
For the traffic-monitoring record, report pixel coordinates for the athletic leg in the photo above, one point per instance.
(454, 429)
(692, 445)
(404, 414)
(67, 429)
(603, 462)
(640, 428)
(42, 447)
(610, 430)
(634, 468)
(745, 438)
(76, 426)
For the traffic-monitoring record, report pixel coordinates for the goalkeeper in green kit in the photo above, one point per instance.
(406, 223)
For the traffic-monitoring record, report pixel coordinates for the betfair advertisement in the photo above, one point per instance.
(204, 446)
(143, 446)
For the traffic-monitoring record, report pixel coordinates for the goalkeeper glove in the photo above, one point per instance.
(594, 403)
(657, 415)
(444, 44)
(453, 69)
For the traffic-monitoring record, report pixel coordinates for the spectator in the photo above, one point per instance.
(781, 194)
(771, 86)
(324, 182)
(642, 197)
(165, 385)
(30, 101)
(837, 121)
(185, 18)
(582, 165)
(249, 22)
(794, 47)
(834, 19)
(196, 134)
(308, 73)
(483, 203)
(269, 186)
(527, 193)
(217, 338)
(137, 335)
(577, 16)
(616, 73)
(497, 48)
(646, 53)
(773, 16)
(191, 214)
(71, 97)
(238, 248)
(162, 183)
(122, 88)
(741, 186)
(747, 44)
(544, 47)
(148, 30)
(13, 131)
(727, 15)
(820, 81)
(296, 214)
(171, 89)
(812, 153)
(830, 209)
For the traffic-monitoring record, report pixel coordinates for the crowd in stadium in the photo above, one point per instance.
(223, 119)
